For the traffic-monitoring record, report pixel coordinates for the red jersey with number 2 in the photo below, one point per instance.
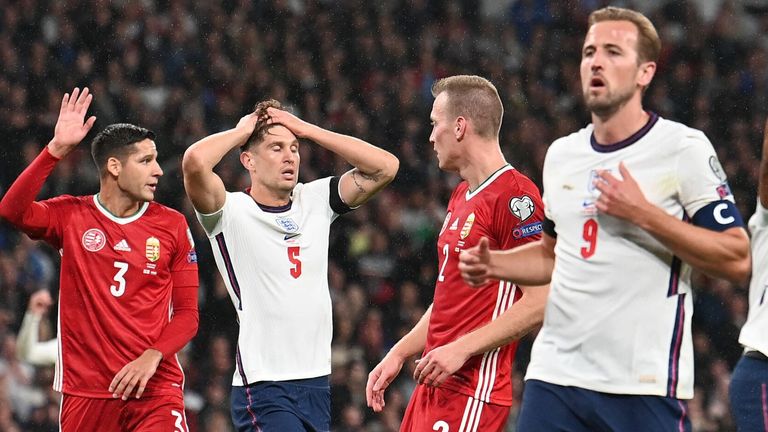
(506, 209)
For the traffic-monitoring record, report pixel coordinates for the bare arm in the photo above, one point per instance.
(373, 168)
(762, 188)
(527, 265)
(204, 187)
(386, 371)
(721, 254)
(517, 321)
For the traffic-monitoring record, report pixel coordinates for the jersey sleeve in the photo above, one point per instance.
(18, 205)
(184, 322)
(759, 220)
(703, 186)
(519, 215)
(212, 222)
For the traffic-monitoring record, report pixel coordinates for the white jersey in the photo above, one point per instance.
(619, 310)
(274, 262)
(754, 334)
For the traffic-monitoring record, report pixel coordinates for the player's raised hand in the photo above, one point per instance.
(40, 302)
(71, 127)
(439, 364)
(135, 373)
(248, 122)
(296, 125)
(379, 379)
(474, 263)
(621, 198)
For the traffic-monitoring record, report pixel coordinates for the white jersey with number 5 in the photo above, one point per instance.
(274, 262)
(619, 310)
(754, 334)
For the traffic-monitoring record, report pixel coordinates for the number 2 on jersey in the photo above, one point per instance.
(293, 257)
(441, 276)
(589, 234)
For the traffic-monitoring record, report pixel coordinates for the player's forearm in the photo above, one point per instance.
(205, 154)
(370, 160)
(27, 337)
(414, 342)
(520, 319)
(722, 254)
(530, 264)
(184, 322)
(17, 205)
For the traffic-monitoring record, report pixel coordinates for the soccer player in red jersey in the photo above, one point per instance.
(465, 382)
(128, 290)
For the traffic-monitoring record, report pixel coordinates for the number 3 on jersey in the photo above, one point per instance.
(589, 234)
(119, 277)
(293, 257)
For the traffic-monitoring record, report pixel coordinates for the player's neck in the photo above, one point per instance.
(269, 197)
(116, 203)
(620, 125)
(482, 161)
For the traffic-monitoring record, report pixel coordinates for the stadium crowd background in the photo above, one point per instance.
(187, 68)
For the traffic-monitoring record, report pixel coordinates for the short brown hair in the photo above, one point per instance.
(261, 128)
(648, 42)
(475, 98)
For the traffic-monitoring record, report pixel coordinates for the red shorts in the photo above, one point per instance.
(150, 413)
(442, 410)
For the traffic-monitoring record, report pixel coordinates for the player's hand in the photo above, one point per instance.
(135, 373)
(620, 198)
(474, 263)
(71, 127)
(379, 379)
(40, 302)
(248, 123)
(439, 364)
(296, 125)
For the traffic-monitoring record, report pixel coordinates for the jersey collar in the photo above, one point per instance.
(488, 181)
(120, 220)
(635, 137)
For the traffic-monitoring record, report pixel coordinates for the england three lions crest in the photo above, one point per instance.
(522, 207)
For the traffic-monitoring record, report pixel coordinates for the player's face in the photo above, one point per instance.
(140, 172)
(610, 71)
(442, 138)
(275, 161)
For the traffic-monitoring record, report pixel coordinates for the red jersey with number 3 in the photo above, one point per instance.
(117, 277)
(507, 210)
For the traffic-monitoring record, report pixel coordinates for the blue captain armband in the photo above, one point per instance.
(718, 216)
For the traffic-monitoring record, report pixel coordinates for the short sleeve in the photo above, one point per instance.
(184, 265)
(702, 179)
(519, 220)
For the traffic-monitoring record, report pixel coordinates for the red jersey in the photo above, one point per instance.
(123, 280)
(507, 209)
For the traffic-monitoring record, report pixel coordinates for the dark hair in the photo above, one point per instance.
(261, 128)
(115, 141)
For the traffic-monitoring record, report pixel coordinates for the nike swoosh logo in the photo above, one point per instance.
(291, 235)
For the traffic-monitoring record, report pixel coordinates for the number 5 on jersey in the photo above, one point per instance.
(293, 257)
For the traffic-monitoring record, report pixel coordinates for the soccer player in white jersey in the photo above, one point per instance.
(749, 382)
(271, 247)
(632, 203)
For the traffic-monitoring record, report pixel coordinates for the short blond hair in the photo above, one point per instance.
(648, 42)
(475, 98)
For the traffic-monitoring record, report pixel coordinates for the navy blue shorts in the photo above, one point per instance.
(749, 394)
(553, 408)
(279, 406)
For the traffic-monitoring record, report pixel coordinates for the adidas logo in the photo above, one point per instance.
(454, 225)
(122, 245)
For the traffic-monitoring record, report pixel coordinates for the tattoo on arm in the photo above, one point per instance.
(364, 176)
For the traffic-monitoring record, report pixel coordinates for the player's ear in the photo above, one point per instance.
(247, 160)
(114, 166)
(460, 128)
(645, 73)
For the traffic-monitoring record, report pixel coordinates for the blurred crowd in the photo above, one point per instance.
(189, 68)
